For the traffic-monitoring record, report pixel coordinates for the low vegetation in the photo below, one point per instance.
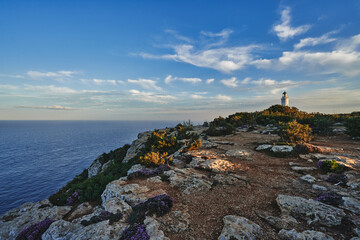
(353, 126)
(294, 132)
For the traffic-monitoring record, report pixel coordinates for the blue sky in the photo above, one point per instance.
(176, 60)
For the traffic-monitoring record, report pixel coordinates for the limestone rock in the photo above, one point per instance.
(240, 154)
(81, 210)
(351, 204)
(155, 179)
(310, 148)
(152, 228)
(135, 168)
(308, 178)
(176, 221)
(94, 168)
(17, 219)
(303, 169)
(236, 227)
(283, 222)
(263, 147)
(207, 144)
(231, 179)
(319, 188)
(136, 146)
(282, 149)
(306, 235)
(312, 211)
(215, 165)
(116, 205)
(188, 180)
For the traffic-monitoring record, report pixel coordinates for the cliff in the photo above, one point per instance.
(238, 186)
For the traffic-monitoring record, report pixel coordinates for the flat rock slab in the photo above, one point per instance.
(303, 169)
(236, 227)
(312, 211)
(239, 154)
(215, 165)
(305, 235)
(282, 149)
(263, 147)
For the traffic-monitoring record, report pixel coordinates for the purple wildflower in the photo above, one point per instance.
(73, 198)
(35, 231)
(320, 164)
(146, 172)
(135, 232)
(337, 179)
(330, 198)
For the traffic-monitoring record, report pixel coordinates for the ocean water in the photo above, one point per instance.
(39, 157)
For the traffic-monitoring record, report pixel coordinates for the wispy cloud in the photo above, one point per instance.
(313, 41)
(177, 35)
(146, 83)
(12, 75)
(56, 107)
(170, 78)
(210, 80)
(223, 98)
(284, 30)
(50, 89)
(217, 39)
(151, 97)
(59, 75)
(8, 87)
(231, 82)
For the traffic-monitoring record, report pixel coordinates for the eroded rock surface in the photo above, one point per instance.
(306, 235)
(236, 227)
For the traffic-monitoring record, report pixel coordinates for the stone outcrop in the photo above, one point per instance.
(239, 154)
(305, 235)
(137, 145)
(312, 211)
(236, 227)
(215, 165)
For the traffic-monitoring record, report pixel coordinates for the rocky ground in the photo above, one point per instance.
(234, 187)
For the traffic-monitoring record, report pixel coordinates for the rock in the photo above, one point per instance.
(310, 148)
(225, 143)
(312, 211)
(282, 149)
(188, 180)
(303, 169)
(14, 221)
(308, 178)
(137, 145)
(130, 193)
(81, 210)
(351, 204)
(63, 230)
(347, 160)
(94, 168)
(283, 222)
(116, 205)
(152, 228)
(306, 235)
(319, 188)
(215, 165)
(106, 165)
(236, 227)
(263, 147)
(207, 144)
(135, 168)
(176, 221)
(155, 179)
(231, 179)
(353, 180)
(240, 154)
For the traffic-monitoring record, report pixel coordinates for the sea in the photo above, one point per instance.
(39, 157)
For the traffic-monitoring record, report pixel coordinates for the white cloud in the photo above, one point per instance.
(220, 38)
(284, 31)
(196, 96)
(102, 81)
(231, 82)
(311, 41)
(51, 89)
(57, 75)
(170, 78)
(8, 87)
(146, 83)
(223, 97)
(151, 97)
(177, 35)
(210, 80)
(56, 107)
(12, 75)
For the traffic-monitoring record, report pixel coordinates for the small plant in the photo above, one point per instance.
(340, 179)
(73, 199)
(330, 166)
(353, 126)
(323, 126)
(35, 231)
(330, 198)
(294, 132)
(104, 215)
(149, 172)
(159, 205)
(135, 232)
(194, 145)
(153, 159)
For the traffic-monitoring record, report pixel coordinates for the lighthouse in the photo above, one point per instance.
(285, 100)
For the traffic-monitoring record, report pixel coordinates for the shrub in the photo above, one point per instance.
(159, 205)
(34, 231)
(135, 232)
(353, 126)
(330, 166)
(294, 132)
(330, 198)
(194, 145)
(104, 215)
(149, 172)
(160, 142)
(220, 131)
(154, 159)
(323, 126)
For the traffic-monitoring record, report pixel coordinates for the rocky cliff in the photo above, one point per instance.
(238, 186)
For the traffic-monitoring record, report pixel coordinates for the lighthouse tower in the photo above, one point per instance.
(285, 100)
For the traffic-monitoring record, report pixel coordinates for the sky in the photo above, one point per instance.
(176, 60)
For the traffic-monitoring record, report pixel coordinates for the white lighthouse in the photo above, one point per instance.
(285, 100)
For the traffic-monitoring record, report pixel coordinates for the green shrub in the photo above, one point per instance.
(322, 125)
(330, 166)
(154, 159)
(294, 132)
(160, 142)
(353, 126)
(220, 131)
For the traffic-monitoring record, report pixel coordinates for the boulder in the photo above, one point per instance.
(263, 147)
(305, 235)
(94, 168)
(312, 211)
(81, 210)
(116, 205)
(236, 227)
(281, 149)
(308, 178)
(283, 222)
(188, 180)
(152, 228)
(135, 168)
(136, 145)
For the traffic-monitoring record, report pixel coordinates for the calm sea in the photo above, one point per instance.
(39, 157)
